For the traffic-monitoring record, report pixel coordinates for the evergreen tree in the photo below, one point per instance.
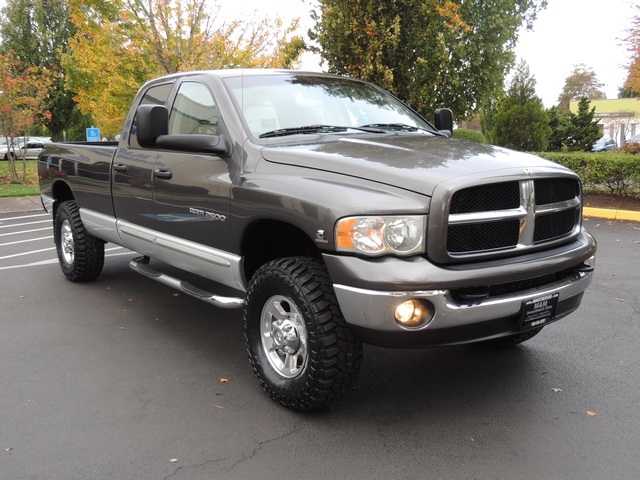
(558, 125)
(582, 130)
(520, 121)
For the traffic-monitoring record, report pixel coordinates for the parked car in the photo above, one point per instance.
(29, 149)
(635, 138)
(4, 146)
(604, 144)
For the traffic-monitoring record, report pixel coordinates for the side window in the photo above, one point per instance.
(194, 111)
(157, 95)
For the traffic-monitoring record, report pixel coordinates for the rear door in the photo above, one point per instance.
(132, 186)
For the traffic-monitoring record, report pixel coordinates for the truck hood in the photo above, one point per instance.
(415, 162)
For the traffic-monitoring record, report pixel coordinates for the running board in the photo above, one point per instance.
(141, 265)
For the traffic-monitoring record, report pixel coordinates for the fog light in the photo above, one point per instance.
(413, 313)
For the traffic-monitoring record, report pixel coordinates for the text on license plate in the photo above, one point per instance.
(538, 311)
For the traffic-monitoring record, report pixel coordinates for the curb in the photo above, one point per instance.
(611, 214)
(20, 204)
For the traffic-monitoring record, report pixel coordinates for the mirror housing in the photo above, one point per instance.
(152, 121)
(152, 128)
(196, 143)
(444, 121)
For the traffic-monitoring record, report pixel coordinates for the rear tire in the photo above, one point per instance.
(300, 348)
(81, 255)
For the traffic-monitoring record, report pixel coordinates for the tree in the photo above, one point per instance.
(632, 83)
(23, 94)
(582, 131)
(559, 125)
(582, 82)
(520, 121)
(119, 44)
(36, 33)
(429, 53)
(626, 92)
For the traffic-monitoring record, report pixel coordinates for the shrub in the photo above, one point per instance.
(466, 134)
(619, 172)
(631, 147)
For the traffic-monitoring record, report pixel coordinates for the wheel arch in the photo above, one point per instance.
(267, 240)
(61, 192)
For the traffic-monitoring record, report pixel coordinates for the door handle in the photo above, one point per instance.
(161, 173)
(118, 167)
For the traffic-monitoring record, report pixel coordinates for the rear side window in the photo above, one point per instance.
(156, 95)
(194, 111)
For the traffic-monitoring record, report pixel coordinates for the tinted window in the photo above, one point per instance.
(157, 95)
(194, 111)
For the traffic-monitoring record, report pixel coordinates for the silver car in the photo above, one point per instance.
(29, 149)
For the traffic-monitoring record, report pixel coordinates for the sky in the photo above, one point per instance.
(567, 33)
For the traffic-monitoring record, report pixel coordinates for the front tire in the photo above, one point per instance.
(81, 255)
(300, 348)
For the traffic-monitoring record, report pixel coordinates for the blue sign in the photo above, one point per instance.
(93, 134)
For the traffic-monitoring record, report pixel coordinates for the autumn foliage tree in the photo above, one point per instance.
(35, 32)
(430, 53)
(581, 83)
(119, 44)
(632, 83)
(23, 102)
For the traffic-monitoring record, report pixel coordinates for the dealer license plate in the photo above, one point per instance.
(539, 311)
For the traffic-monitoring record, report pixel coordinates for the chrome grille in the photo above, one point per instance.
(514, 215)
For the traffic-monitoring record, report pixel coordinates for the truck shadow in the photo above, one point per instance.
(393, 385)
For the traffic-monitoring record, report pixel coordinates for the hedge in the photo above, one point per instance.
(466, 134)
(618, 172)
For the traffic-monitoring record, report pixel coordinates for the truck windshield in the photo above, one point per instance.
(295, 104)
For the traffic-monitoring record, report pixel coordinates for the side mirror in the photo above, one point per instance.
(196, 143)
(152, 121)
(444, 121)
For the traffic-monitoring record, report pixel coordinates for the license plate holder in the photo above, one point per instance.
(539, 311)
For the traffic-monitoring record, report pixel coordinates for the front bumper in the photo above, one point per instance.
(369, 292)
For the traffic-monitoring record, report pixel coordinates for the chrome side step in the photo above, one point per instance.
(141, 265)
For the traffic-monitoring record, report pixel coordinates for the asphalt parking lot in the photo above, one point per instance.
(123, 378)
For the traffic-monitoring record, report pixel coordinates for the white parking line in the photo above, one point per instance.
(23, 224)
(55, 260)
(27, 253)
(25, 216)
(24, 241)
(25, 231)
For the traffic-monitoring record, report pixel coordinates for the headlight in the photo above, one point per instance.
(400, 235)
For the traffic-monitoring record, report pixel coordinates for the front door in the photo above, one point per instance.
(191, 191)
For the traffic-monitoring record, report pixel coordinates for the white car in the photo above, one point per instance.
(28, 150)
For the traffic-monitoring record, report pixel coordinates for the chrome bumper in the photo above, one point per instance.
(375, 310)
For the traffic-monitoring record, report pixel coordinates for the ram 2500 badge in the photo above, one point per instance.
(334, 214)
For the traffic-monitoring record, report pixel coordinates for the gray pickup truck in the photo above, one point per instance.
(331, 213)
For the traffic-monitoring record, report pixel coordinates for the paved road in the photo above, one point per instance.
(119, 377)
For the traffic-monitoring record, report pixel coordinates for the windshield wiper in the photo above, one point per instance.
(395, 127)
(318, 129)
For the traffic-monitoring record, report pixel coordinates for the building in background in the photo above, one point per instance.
(618, 118)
